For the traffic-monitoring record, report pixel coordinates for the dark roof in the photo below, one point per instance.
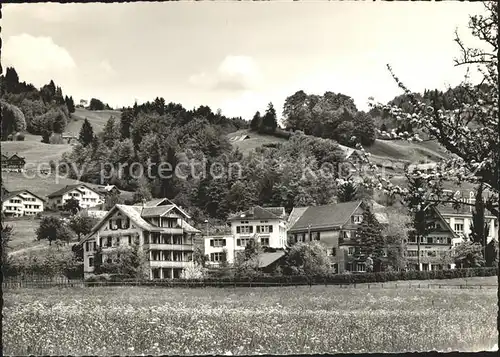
(258, 212)
(67, 188)
(266, 259)
(155, 211)
(8, 195)
(277, 211)
(334, 215)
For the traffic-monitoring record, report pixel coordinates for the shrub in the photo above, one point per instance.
(20, 137)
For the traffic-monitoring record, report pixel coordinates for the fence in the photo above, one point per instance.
(79, 283)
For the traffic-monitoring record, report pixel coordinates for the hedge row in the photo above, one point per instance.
(324, 279)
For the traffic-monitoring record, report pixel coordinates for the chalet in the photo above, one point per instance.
(435, 248)
(21, 203)
(334, 226)
(265, 224)
(86, 196)
(13, 163)
(159, 228)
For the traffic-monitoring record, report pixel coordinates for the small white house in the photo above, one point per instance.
(86, 196)
(21, 203)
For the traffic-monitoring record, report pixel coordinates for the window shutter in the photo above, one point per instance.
(270, 229)
(211, 242)
(238, 229)
(251, 229)
(223, 242)
(258, 229)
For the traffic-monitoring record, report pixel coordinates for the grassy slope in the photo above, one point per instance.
(256, 140)
(34, 151)
(96, 118)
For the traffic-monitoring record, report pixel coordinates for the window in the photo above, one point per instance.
(129, 238)
(315, 235)
(264, 242)
(94, 246)
(218, 257)
(360, 267)
(86, 246)
(429, 240)
(108, 242)
(244, 229)
(334, 252)
(356, 219)
(91, 261)
(459, 227)
(350, 251)
(218, 242)
(242, 242)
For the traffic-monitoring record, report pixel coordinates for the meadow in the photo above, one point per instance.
(284, 320)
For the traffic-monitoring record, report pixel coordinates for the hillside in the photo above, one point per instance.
(395, 151)
(97, 119)
(34, 150)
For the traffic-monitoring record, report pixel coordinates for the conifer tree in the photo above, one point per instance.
(86, 133)
(256, 122)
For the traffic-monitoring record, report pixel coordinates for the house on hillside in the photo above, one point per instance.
(21, 203)
(435, 248)
(86, 196)
(13, 163)
(265, 224)
(334, 226)
(159, 227)
(108, 190)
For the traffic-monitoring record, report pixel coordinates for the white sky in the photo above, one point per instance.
(237, 56)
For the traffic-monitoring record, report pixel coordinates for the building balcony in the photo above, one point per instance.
(162, 246)
(169, 264)
(168, 230)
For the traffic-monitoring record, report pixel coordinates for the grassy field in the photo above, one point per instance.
(256, 140)
(140, 320)
(97, 119)
(34, 151)
(24, 233)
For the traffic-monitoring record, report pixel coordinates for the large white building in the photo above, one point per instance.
(86, 196)
(265, 224)
(158, 227)
(21, 203)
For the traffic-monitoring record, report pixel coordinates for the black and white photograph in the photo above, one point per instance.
(249, 177)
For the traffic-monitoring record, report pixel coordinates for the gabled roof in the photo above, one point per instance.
(296, 213)
(9, 195)
(189, 228)
(156, 211)
(266, 259)
(136, 215)
(68, 188)
(16, 156)
(258, 212)
(334, 215)
(158, 202)
(447, 226)
(277, 211)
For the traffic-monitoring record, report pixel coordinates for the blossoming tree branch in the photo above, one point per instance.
(470, 131)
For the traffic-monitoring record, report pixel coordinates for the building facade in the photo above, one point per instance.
(21, 203)
(333, 226)
(86, 197)
(159, 229)
(435, 248)
(267, 225)
(14, 163)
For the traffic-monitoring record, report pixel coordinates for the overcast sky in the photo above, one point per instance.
(237, 56)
